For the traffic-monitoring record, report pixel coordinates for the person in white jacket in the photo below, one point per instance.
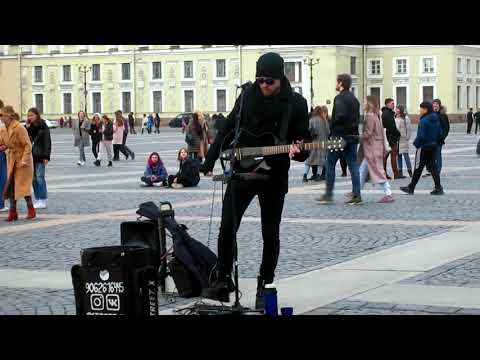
(404, 126)
(144, 122)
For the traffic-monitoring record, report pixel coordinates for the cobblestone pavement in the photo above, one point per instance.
(77, 193)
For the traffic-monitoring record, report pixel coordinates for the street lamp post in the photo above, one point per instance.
(311, 62)
(84, 69)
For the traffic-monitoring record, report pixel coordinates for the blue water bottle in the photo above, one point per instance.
(271, 301)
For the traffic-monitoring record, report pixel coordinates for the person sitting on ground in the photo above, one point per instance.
(155, 173)
(188, 174)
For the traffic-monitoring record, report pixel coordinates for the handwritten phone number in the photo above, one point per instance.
(102, 288)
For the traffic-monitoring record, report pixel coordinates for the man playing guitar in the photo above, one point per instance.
(268, 103)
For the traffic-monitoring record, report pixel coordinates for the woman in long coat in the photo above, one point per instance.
(373, 141)
(81, 135)
(3, 165)
(404, 127)
(197, 129)
(320, 130)
(19, 163)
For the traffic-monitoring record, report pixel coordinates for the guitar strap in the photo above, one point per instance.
(285, 123)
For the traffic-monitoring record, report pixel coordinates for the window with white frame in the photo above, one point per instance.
(188, 100)
(477, 67)
(293, 71)
(157, 102)
(401, 95)
(477, 97)
(375, 91)
(221, 68)
(67, 73)
(428, 65)
(126, 102)
(188, 69)
(427, 93)
(156, 71)
(469, 70)
(459, 97)
(375, 67)
(353, 65)
(126, 71)
(401, 66)
(459, 65)
(221, 100)
(67, 103)
(39, 102)
(38, 74)
(97, 102)
(96, 73)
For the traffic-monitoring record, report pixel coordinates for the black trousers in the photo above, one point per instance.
(117, 148)
(469, 126)
(477, 125)
(271, 205)
(95, 148)
(427, 158)
(343, 164)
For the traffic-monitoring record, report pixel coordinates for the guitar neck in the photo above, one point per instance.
(279, 149)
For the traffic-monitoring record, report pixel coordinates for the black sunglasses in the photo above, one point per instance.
(266, 80)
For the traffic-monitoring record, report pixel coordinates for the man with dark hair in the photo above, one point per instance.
(345, 121)
(445, 124)
(393, 135)
(269, 105)
(428, 134)
(477, 120)
(469, 121)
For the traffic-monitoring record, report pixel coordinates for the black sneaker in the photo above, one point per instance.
(304, 178)
(110, 164)
(344, 175)
(133, 155)
(260, 297)
(426, 175)
(219, 291)
(325, 199)
(438, 191)
(315, 178)
(355, 200)
(407, 190)
(96, 163)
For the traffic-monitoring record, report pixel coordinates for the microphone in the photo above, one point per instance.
(245, 86)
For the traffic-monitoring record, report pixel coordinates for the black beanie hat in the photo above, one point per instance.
(270, 65)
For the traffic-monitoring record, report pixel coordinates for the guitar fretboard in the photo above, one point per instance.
(280, 149)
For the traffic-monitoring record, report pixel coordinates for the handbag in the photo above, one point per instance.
(189, 139)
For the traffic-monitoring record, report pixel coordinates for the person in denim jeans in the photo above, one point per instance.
(345, 121)
(39, 134)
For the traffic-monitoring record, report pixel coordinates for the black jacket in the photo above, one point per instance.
(107, 134)
(188, 173)
(477, 116)
(96, 132)
(470, 116)
(388, 120)
(345, 117)
(444, 123)
(40, 138)
(263, 114)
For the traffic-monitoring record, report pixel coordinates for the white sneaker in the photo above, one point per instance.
(79, 163)
(5, 209)
(83, 163)
(36, 204)
(40, 204)
(177, 186)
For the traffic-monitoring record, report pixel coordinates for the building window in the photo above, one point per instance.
(188, 69)
(221, 68)
(401, 95)
(468, 97)
(428, 65)
(293, 71)
(156, 70)
(375, 67)
(427, 93)
(477, 67)
(97, 102)
(38, 74)
(157, 102)
(188, 100)
(126, 102)
(459, 97)
(67, 73)
(353, 65)
(67, 103)
(221, 100)
(459, 65)
(375, 91)
(469, 70)
(96, 73)
(126, 71)
(401, 67)
(39, 102)
(477, 97)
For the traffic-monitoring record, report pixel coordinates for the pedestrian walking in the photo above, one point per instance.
(3, 163)
(477, 120)
(319, 130)
(19, 163)
(129, 152)
(469, 120)
(345, 121)
(81, 135)
(157, 123)
(118, 130)
(106, 141)
(144, 122)
(197, 138)
(62, 122)
(188, 172)
(150, 123)
(441, 112)
(70, 122)
(428, 134)
(39, 135)
(131, 123)
(96, 134)
(373, 144)
(393, 135)
(404, 127)
(155, 173)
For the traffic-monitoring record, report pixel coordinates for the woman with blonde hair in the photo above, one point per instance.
(373, 141)
(196, 137)
(19, 163)
(319, 131)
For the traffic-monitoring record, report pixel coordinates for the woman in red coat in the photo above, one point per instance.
(373, 141)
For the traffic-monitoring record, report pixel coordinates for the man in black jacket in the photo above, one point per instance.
(469, 121)
(268, 104)
(445, 125)
(477, 120)
(393, 135)
(345, 120)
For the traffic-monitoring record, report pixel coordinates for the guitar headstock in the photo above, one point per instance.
(336, 144)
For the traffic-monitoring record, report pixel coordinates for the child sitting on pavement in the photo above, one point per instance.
(155, 173)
